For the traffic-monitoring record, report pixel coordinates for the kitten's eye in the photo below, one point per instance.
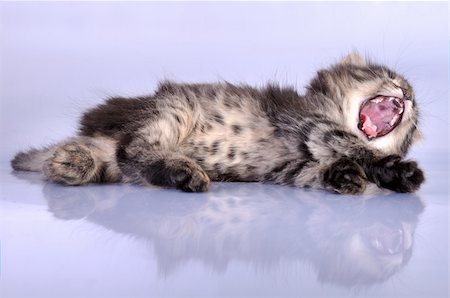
(407, 94)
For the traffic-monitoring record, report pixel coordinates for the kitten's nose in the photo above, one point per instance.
(399, 92)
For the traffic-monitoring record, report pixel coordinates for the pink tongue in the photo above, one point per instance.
(368, 127)
(378, 116)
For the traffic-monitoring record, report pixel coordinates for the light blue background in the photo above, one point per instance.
(59, 58)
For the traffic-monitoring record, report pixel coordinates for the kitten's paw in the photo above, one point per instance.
(345, 177)
(71, 164)
(182, 174)
(400, 176)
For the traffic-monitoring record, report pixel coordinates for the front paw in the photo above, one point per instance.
(345, 177)
(401, 176)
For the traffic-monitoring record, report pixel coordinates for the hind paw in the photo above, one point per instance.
(182, 174)
(71, 164)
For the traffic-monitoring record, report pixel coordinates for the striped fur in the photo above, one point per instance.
(186, 135)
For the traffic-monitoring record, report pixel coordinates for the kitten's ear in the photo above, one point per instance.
(355, 59)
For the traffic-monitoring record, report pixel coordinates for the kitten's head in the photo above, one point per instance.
(375, 103)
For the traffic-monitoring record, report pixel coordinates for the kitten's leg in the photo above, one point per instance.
(343, 176)
(150, 155)
(82, 160)
(386, 171)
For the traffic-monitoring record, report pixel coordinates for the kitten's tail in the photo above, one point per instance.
(31, 160)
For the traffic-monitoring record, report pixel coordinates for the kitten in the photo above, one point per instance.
(353, 126)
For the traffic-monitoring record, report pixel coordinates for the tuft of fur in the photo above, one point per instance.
(186, 135)
(31, 160)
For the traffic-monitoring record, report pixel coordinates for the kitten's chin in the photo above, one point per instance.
(380, 115)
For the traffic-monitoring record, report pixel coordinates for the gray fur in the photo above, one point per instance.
(186, 135)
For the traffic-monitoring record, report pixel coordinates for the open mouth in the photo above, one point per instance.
(378, 116)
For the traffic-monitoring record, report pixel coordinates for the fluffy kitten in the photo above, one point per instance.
(353, 126)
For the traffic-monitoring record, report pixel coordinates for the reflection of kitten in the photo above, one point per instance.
(353, 126)
(347, 242)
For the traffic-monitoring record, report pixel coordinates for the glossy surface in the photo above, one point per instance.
(236, 240)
